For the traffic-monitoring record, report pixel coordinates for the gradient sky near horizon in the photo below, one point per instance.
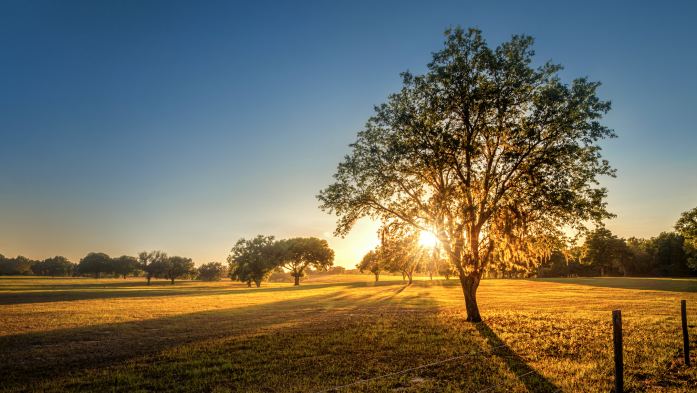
(186, 125)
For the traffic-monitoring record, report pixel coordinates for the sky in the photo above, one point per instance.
(184, 126)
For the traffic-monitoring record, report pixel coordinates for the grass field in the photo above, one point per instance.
(119, 335)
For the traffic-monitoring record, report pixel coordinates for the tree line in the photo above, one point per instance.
(57, 266)
(670, 254)
(255, 260)
(151, 264)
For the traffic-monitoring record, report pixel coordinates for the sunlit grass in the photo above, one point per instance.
(82, 334)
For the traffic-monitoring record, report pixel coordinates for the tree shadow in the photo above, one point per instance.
(95, 292)
(533, 381)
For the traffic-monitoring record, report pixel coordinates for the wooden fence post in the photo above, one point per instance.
(617, 338)
(685, 336)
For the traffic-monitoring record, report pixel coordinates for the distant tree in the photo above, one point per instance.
(299, 253)
(96, 263)
(40, 268)
(371, 262)
(125, 265)
(212, 271)
(56, 266)
(669, 256)
(254, 260)
(153, 263)
(445, 268)
(180, 268)
(604, 250)
(337, 270)
(16, 266)
(431, 264)
(598, 249)
(686, 226)
(623, 256)
(403, 253)
(663, 255)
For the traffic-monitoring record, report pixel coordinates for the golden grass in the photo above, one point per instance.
(120, 335)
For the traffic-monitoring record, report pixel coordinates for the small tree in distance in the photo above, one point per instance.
(253, 260)
(371, 262)
(153, 263)
(180, 268)
(212, 271)
(603, 249)
(95, 263)
(403, 253)
(299, 253)
(125, 265)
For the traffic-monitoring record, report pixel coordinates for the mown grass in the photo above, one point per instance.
(120, 335)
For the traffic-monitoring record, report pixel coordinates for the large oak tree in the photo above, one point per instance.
(485, 151)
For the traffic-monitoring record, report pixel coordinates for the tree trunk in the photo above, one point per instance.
(431, 275)
(249, 284)
(124, 276)
(470, 283)
(96, 275)
(602, 271)
(172, 281)
(258, 283)
(149, 277)
(625, 271)
(297, 280)
(377, 275)
(402, 276)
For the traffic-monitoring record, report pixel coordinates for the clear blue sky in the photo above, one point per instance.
(184, 126)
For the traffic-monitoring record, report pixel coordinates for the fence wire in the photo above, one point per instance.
(411, 369)
(429, 365)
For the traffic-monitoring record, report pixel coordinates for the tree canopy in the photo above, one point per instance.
(56, 266)
(371, 262)
(484, 151)
(402, 251)
(253, 260)
(95, 263)
(603, 249)
(179, 268)
(212, 271)
(19, 265)
(153, 263)
(126, 265)
(299, 253)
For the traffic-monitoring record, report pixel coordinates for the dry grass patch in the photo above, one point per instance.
(124, 336)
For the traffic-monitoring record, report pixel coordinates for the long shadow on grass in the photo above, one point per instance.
(533, 381)
(646, 284)
(38, 357)
(94, 292)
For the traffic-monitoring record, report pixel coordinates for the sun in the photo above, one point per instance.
(427, 239)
